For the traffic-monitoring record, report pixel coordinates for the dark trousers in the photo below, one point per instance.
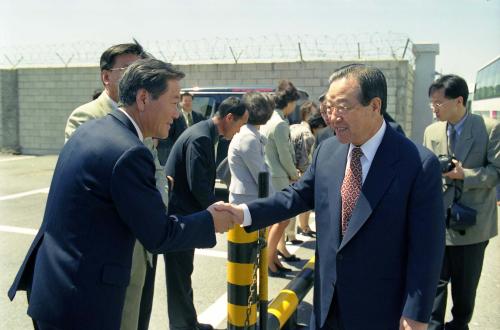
(462, 267)
(40, 325)
(178, 270)
(333, 319)
(147, 296)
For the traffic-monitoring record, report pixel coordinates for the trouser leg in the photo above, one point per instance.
(147, 296)
(178, 270)
(439, 307)
(467, 264)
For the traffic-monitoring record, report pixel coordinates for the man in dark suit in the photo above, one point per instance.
(377, 197)
(102, 198)
(187, 119)
(475, 143)
(192, 165)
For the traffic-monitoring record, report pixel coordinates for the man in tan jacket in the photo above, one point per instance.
(474, 142)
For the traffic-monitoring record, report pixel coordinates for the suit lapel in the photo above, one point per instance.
(379, 178)
(338, 163)
(465, 140)
(124, 120)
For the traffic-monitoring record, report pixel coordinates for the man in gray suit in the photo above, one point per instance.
(475, 143)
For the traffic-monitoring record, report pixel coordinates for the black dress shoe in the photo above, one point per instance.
(294, 241)
(291, 258)
(308, 232)
(203, 326)
(277, 273)
(283, 269)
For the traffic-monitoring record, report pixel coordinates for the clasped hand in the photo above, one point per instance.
(225, 216)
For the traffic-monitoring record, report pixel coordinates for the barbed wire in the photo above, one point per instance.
(368, 46)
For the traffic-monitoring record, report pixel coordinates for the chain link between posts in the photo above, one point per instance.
(261, 243)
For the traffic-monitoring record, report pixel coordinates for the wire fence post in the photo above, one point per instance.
(300, 53)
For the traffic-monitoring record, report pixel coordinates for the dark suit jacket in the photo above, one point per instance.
(192, 165)
(102, 197)
(388, 263)
(178, 126)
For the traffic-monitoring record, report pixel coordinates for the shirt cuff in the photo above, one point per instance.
(247, 218)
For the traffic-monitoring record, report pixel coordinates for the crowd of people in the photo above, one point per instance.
(136, 178)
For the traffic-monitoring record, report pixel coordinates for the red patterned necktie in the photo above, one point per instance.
(351, 187)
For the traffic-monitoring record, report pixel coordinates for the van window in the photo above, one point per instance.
(203, 105)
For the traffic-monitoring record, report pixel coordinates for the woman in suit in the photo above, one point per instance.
(279, 156)
(246, 161)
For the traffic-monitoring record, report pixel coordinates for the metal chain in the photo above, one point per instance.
(253, 287)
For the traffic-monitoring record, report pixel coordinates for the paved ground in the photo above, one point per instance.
(23, 194)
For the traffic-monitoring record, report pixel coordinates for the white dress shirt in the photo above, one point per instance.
(139, 133)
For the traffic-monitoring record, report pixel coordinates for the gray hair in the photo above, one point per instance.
(150, 74)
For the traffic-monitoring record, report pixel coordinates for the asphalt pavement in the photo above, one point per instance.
(23, 193)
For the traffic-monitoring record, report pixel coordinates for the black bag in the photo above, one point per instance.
(460, 217)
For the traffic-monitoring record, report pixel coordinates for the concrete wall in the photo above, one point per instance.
(9, 111)
(46, 96)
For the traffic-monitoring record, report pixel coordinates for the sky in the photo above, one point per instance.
(468, 31)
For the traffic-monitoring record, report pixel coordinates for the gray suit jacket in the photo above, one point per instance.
(478, 148)
(246, 160)
(279, 150)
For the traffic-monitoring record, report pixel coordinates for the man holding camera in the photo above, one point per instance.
(468, 147)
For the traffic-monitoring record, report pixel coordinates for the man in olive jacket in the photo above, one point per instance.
(475, 143)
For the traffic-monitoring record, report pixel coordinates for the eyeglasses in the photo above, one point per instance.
(341, 110)
(119, 69)
(437, 106)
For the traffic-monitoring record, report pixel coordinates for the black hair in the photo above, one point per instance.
(260, 107)
(186, 94)
(108, 57)
(316, 121)
(285, 93)
(454, 86)
(231, 105)
(371, 82)
(151, 74)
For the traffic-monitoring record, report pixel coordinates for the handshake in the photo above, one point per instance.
(225, 216)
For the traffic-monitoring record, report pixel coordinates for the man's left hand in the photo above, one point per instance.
(457, 173)
(408, 324)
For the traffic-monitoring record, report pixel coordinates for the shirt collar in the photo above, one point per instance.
(458, 126)
(281, 113)
(138, 130)
(370, 147)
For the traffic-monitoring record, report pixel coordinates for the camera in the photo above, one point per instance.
(446, 163)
